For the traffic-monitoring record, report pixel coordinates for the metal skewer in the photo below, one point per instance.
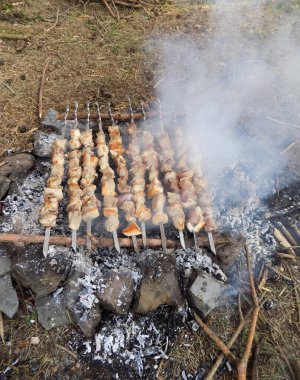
(134, 241)
(181, 237)
(48, 229)
(74, 232)
(211, 242)
(114, 233)
(143, 225)
(89, 220)
(46, 241)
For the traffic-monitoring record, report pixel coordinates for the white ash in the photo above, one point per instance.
(128, 341)
(21, 210)
(189, 258)
(249, 222)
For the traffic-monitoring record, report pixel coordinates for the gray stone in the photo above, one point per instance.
(5, 264)
(87, 319)
(228, 253)
(160, 282)
(206, 293)
(52, 311)
(9, 302)
(4, 185)
(116, 291)
(42, 275)
(43, 143)
(50, 121)
(20, 163)
(292, 155)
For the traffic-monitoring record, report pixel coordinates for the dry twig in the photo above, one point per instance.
(55, 23)
(42, 87)
(2, 328)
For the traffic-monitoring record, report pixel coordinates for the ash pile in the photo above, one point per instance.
(129, 303)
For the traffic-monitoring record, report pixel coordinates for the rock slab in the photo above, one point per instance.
(43, 143)
(205, 293)
(17, 164)
(116, 291)
(160, 282)
(52, 311)
(9, 302)
(42, 275)
(4, 186)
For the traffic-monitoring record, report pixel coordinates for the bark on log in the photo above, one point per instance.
(104, 242)
(117, 116)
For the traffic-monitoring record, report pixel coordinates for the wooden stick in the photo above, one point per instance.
(117, 116)
(103, 242)
(8, 36)
(283, 241)
(42, 87)
(226, 352)
(55, 23)
(109, 9)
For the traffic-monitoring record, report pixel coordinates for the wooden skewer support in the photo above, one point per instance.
(105, 242)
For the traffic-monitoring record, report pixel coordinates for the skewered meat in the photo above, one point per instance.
(125, 203)
(74, 142)
(108, 187)
(53, 191)
(90, 203)
(155, 188)
(167, 164)
(86, 138)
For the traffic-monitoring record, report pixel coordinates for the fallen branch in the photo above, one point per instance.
(283, 241)
(8, 87)
(114, 15)
(8, 36)
(55, 23)
(117, 116)
(42, 87)
(103, 242)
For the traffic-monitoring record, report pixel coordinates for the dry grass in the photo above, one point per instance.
(93, 56)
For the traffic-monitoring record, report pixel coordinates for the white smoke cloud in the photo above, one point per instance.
(230, 85)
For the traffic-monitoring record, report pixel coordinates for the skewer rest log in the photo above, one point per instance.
(104, 242)
(106, 116)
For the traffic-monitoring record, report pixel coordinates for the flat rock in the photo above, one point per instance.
(5, 264)
(228, 253)
(52, 311)
(42, 275)
(116, 291)
(87, 319)
(17, 164)
(43, 143)
(4, 185)
(9, 302)
(50, 120)
(206, 293)
(160, 282)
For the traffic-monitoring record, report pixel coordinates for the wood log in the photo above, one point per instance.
(105, 242)
(117, 116)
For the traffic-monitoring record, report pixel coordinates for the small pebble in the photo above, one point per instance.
(35, 340)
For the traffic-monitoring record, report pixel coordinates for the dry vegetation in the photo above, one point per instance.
(93, 56)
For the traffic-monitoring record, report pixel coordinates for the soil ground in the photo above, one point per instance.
(93, 56)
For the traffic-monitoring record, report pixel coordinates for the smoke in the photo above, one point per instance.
(230, 85)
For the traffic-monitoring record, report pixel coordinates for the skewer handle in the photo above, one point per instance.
(89, 233)
(74, 240)
(163, 237)
(46, 241)
(116, 241)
